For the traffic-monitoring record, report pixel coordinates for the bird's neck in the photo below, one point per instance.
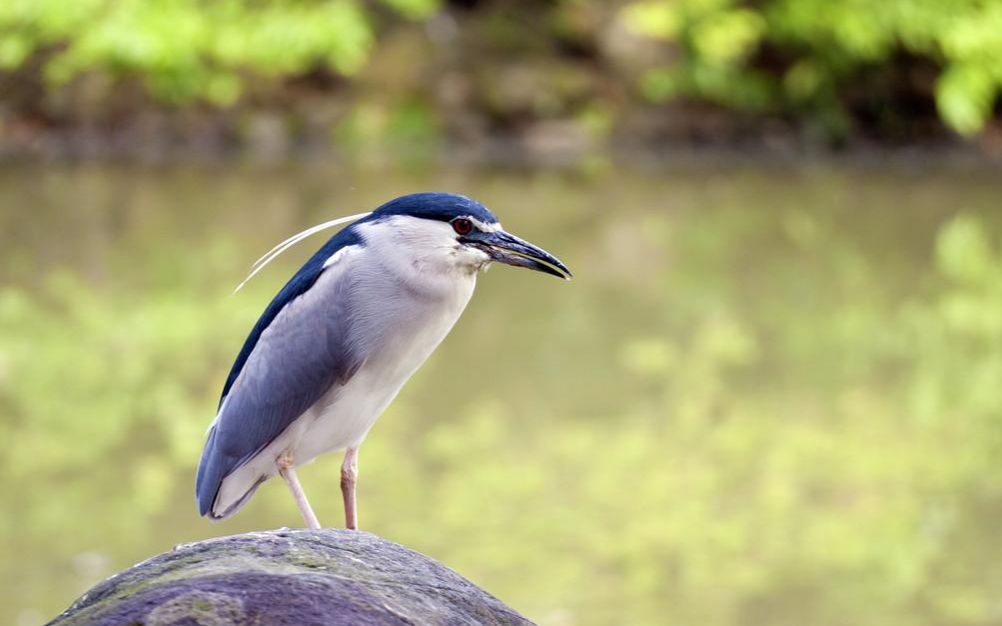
(423, 256)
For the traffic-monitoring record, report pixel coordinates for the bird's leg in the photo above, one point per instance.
(285, 468)
(349, 476)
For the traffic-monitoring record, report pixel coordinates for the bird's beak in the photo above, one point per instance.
(507, 248)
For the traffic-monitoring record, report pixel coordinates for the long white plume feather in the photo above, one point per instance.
(293, 240)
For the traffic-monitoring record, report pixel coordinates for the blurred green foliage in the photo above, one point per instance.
(764, 399)
(187, 49)
(798, 55)
(834, 68)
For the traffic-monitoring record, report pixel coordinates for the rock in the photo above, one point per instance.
(288, 578)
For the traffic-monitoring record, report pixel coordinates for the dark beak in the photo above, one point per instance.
(507, 248)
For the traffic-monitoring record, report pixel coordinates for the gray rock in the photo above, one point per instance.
(288, 578)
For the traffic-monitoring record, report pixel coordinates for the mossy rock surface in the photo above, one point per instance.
(288, 578)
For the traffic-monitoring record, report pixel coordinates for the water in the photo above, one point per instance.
(769, 396)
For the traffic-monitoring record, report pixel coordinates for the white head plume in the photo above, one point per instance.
(293, 240)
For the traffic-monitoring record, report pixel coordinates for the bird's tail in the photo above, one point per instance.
(213, 469)
(210, 475)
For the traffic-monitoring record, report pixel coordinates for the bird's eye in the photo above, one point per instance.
(462, 226)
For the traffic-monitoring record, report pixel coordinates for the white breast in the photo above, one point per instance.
(415, 291)
(343, 417)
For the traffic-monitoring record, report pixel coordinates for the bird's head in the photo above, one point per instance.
(444, 231)
(461, 230)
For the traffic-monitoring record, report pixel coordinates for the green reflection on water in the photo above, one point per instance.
(769, 396)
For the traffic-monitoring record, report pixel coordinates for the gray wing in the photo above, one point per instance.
(299, 356)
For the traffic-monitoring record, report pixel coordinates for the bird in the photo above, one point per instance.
(339, 340)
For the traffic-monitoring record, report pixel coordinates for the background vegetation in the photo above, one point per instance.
(563, 76)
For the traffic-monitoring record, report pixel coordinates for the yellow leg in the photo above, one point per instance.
(349, 476)
(285, 468)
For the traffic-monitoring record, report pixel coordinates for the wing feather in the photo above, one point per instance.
(296, 352)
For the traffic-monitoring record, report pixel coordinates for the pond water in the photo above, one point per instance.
(771, 394)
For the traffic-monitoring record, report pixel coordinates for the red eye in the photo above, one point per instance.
(462, 226)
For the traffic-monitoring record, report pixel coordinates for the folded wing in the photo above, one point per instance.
(298, 350)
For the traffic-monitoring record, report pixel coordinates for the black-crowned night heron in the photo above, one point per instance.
(341, 338)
